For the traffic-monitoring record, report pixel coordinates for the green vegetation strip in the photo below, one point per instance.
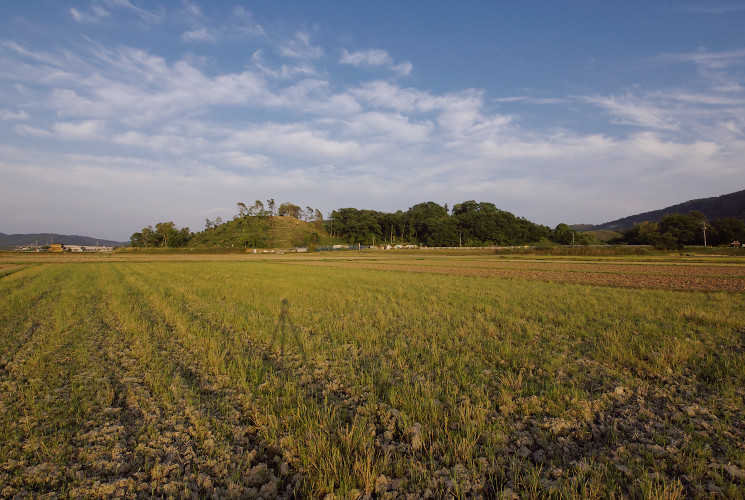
(251, 379)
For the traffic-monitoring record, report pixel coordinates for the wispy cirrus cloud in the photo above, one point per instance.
(629, 109)
(98, 10)
(93, 15)
(710, 106)
(712, 60)
(242, 24)
(143, 14)
(374, 58)
(8, 115)
(198, 35)
(299, 47)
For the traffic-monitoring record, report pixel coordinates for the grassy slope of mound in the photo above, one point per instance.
(263, 232)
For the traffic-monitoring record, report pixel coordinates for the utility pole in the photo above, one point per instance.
(704, 234)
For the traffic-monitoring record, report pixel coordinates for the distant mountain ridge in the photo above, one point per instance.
(19, 240)
(727, 205)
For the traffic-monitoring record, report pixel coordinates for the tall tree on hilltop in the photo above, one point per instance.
(288, 209)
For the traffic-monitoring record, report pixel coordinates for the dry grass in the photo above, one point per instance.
(251, 378)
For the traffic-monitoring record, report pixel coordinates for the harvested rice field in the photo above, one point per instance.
(371, 376)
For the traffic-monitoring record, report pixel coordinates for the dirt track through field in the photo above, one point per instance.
(659, 276)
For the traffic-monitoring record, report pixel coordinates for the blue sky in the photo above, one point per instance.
(117, 114)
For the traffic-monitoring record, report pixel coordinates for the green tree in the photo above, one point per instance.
(686, 229)
(477, 223)
(137, 240)
(357, 226)
(441, 232)
(665, 241)
(288, 209)
(726, 230)
(257, 209)
(165, 234)
(567, 236)
(422, 216)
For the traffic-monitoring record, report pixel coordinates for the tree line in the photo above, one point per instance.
(469, 223)
(676, 230)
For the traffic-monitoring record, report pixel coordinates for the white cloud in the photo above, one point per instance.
(97, 11)
(729, 87)
(126, 4)
(86, 130)
(711, 60)
(393, 127)
(726, 9)
(13, 115)
(298, 141)
(133, 87)
(374, 58)
(247, 25)
(708, 108)
(244, 27)
(628, 109)
(32, 131)
(93, 16)
(198, 35)
(403, 69)
(193, 9)
(300, 47)
(161, 142)
(382, 94)
(242, 160)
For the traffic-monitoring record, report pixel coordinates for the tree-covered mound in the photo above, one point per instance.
(469, 223)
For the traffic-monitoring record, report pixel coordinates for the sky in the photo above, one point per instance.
(118, 114)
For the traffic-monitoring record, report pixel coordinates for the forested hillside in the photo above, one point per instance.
(718, 207)
(676, 231)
